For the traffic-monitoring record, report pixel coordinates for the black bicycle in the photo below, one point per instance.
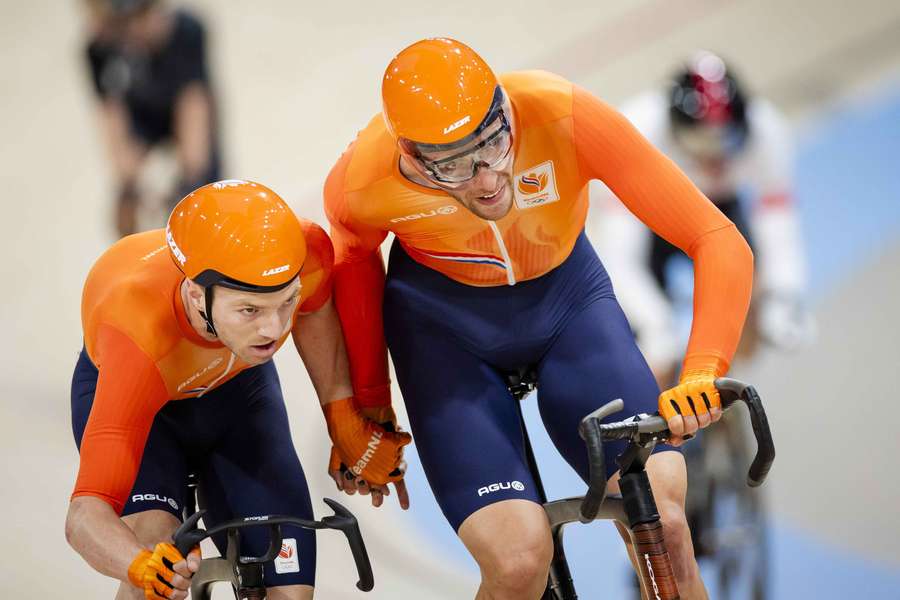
(245, 573)
(727, 519)
(635, 508)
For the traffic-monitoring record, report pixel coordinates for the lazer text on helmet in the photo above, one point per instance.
(457, 125)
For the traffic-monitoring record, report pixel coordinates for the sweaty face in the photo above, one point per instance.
(476, 171)
(485, 166)
(251, 324)
(489, 194)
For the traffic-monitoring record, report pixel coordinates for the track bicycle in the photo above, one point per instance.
(245, 573)
(635, 508)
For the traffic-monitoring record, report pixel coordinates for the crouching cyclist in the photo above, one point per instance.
(180, 326)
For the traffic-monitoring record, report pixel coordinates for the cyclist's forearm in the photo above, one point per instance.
(358, 292)
(97, 533)
(193, 122)
(723, 277)
(320, 343)
(125, 154)
(358, 282)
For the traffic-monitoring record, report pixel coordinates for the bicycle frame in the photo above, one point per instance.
(636, 508)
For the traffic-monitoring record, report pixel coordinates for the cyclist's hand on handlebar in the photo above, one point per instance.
(164, 573)
(350, 485)
(691, 405)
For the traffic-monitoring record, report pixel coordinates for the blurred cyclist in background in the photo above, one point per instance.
(738, 151)
(149, 68)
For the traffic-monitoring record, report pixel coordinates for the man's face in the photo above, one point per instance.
(251, 324)
(710, 143)
(489, 194)
(139, 30)
(488, 162)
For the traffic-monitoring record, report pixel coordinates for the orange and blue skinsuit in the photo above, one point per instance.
(490, 294)
(152, 399)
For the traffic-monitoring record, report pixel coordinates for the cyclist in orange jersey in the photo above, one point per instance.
(484, 182)
(194, 313)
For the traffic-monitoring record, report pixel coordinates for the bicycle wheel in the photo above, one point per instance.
(727, 518)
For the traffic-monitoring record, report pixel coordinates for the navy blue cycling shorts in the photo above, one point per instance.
(237, 439)
(451, 344)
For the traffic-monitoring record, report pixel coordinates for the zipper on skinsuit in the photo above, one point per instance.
(510, 276)
(219, 378)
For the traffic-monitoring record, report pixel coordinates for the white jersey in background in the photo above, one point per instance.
(759, 177)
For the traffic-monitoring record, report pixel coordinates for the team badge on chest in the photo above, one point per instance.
(536, 186)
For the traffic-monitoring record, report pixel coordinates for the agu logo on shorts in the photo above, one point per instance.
(501, 485)
(287, 560)
(536, 186)
(155, 498)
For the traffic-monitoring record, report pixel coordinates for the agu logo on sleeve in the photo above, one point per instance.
(287, 560)
(536, 186)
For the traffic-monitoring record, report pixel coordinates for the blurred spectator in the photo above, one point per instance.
(149, 68)
(738, 151)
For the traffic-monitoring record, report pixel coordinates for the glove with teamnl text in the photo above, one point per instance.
(368, 449)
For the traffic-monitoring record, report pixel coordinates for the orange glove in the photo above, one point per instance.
(369, 450)
(695, 395)
(383, 415)
(148, 568)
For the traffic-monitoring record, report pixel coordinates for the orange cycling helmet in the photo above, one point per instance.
(237, 234)
(437, 91)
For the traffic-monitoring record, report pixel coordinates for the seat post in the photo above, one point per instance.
(529, 454)
(190, 498)
(560, 585)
